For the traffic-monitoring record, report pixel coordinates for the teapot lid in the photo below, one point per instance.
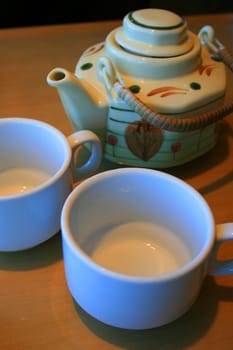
(155, 33)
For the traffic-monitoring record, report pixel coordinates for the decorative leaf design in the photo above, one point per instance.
(143, 139)
(208, 68)
(165, 91)
(93, 49)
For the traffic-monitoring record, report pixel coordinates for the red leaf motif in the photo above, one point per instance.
(172, 93)
(208, 68)
(94, 49)
(166, 91)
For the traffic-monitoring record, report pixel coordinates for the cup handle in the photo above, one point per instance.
(76, 141)
(224, 232)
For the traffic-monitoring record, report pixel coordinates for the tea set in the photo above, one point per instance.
(147, 98)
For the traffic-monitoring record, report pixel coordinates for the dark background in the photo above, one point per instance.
(23, 13)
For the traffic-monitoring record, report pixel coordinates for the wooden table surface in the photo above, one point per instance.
(36, 309)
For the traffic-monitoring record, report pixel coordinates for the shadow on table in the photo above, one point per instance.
(211, 159)
(44, 254)
(177, 335)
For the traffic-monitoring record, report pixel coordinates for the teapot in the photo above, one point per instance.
(153, 91)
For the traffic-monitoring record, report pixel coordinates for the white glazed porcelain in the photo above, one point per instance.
(36, 178)
(167, 67)
(120, 227)
(154, 33)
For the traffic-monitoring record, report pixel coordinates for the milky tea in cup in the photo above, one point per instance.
(38, 165)
(137, 244)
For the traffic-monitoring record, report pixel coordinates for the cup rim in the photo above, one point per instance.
(52, 179)
(77, 250)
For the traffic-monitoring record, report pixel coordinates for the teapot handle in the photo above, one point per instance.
(113, 79)
(107, 73)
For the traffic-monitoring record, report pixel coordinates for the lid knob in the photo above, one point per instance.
(155, 33)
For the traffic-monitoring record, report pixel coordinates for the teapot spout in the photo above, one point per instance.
(85, 107)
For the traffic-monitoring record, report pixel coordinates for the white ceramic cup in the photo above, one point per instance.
(36, 178)
(137, 244)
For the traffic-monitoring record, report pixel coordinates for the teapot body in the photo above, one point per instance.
(164, 65)
(180, 86)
